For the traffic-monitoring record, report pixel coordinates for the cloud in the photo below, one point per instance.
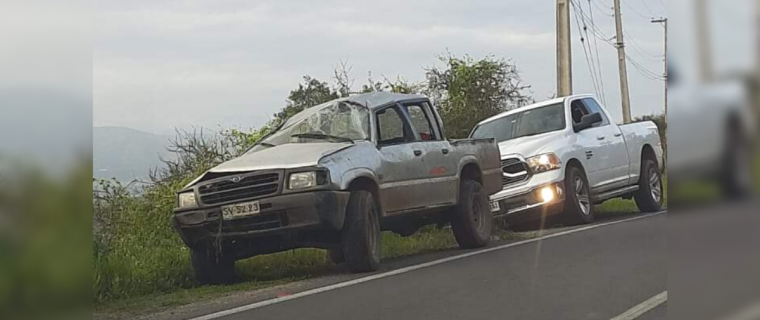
(164, 64)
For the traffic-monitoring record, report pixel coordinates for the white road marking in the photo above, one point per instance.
(265, 303)
(643, 307)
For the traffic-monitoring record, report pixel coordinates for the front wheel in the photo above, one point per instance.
(361, 233)
(471, 219)
(650, 196)
(578, 206)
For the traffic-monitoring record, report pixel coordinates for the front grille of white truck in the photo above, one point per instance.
(240, 187)
(514, 171)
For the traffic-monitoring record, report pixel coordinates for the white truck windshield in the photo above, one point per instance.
(523, 124)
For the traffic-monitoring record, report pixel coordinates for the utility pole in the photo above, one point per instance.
(564, 58)
(664, 22)
(624, 97)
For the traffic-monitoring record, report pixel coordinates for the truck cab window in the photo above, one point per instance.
(577, 110)
(421, 122)
(594, 107)
(391, 128)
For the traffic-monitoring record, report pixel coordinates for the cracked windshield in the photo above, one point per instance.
(332, 122)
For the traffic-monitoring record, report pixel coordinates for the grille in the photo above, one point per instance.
(248, 187)
(513, 166)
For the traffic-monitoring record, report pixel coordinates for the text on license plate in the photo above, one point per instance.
(240, 210)
(495, 206)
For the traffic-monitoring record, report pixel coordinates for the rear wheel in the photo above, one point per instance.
(578, 206)
(471, 219)
(361, 233)
(211, 266)
(651, 195)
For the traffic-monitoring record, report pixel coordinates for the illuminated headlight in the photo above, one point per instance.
(187, 200)
(301, 180)
(544, 162)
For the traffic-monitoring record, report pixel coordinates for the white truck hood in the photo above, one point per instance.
(531, 145)
(286, 156)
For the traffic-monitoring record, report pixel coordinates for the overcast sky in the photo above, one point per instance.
(164, 64)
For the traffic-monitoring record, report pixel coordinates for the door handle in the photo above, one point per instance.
(445, 151)
(618, 134)
(600, 138)
(418, 152)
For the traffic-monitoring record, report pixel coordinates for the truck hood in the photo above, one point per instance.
(285, 156)
(531, 145)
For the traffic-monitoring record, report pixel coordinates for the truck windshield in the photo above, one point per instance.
(330, 122)
(522, 124)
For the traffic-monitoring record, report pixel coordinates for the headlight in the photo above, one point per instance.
(301, 180)
(544, 162)
(187, 200)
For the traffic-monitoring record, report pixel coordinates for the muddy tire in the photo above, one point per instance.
(651, 194)
(578, 206)
(361, 233)
(471, 219)
(336, 255)
(210, 267)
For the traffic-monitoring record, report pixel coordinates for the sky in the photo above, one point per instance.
(158, 65)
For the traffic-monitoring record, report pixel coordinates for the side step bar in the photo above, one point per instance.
(613, 194)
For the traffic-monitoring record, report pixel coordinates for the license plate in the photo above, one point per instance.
(495, 206)
(239, 210)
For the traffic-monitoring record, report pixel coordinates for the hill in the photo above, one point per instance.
(126, 154)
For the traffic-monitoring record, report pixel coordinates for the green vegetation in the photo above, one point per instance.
(44, 236)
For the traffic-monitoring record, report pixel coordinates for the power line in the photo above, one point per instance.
(643, 70)
(602, 9)
(592, 73)
(646, 6)
(636, 11)
(598, 60)
(640, 50)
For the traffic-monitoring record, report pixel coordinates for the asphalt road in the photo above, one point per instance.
(598, 273)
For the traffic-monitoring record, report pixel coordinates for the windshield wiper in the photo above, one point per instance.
(266, 144)
(322, 136)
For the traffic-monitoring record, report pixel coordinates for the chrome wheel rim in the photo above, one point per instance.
(581, 194)
(655, 185)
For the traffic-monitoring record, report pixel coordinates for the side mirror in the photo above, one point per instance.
(588, 121)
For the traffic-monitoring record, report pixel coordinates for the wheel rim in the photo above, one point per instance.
(477, 215)
(655, 185)
(581, 194)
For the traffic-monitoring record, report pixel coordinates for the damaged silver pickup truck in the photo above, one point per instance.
(333, 176)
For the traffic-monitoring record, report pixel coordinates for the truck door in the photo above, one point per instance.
(598, 153)
(439, 167)
(401, 170)
(617, 163)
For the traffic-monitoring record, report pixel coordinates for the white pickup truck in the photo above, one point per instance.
(565, 155)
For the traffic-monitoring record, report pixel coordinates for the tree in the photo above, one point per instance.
(467, 91)
(309, 93)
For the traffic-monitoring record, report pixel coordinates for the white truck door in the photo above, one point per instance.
(599, 160)
(612, 140)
